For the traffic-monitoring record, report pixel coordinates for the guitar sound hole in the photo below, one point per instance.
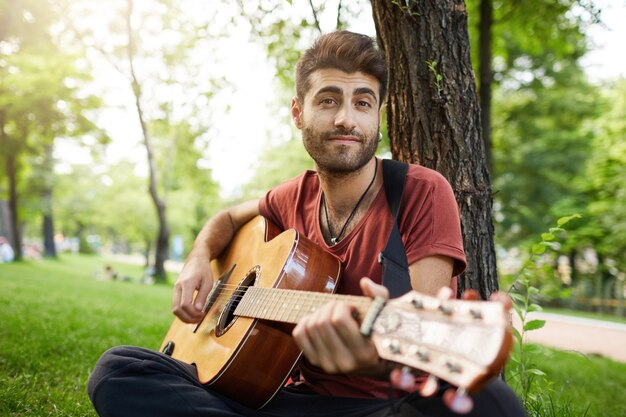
(227, 317)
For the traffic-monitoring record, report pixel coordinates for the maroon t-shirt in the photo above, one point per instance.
(429, 225)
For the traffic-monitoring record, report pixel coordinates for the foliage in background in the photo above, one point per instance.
(42, 98)
(536, 280)
(558, 140)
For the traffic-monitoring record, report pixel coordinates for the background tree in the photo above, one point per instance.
(433, 115)
(40, 100)
(513, 39)
(156, 47)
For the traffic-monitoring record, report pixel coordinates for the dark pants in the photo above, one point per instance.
(131, 381)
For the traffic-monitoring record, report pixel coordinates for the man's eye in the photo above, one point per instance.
(327, 101)
(363, 103)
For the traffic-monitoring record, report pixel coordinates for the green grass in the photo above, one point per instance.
(56, 319)
(578, 385)
(586, 314)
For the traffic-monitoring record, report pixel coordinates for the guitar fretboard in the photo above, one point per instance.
(290, 306)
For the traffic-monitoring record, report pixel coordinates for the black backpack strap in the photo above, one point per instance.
(393, 259)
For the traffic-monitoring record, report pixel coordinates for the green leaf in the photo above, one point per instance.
(532, 349)
(564, 220)
(534, 307)
(547, 237)
(536, 371)
(538, 249)
(517, 297)
(517, 334)
(534, 325)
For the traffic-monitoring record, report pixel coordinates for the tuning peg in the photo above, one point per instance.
(417, 302)
(402, 378)
(429, 387)
(445, 293)
(458, 401)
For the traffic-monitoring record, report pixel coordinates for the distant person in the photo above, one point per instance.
(109, 273)
(6, 251)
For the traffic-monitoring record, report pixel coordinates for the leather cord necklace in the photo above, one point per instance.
(334, 240)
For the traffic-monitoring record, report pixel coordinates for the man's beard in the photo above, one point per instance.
(344, 160)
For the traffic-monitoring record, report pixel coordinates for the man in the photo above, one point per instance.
(340, 83)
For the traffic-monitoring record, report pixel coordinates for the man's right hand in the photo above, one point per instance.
(195, 276)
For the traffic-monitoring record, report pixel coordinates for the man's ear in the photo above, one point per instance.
(296, 112)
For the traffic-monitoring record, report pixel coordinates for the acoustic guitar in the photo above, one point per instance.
(269, 280)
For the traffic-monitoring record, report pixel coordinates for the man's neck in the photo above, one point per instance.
(342, 192)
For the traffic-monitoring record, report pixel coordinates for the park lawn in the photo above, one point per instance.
(56, 319)
(578, 385)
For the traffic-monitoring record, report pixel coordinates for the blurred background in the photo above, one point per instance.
(124, 125)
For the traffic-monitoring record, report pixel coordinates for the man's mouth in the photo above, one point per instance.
(344, 137)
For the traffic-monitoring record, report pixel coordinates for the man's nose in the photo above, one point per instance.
(345, 118)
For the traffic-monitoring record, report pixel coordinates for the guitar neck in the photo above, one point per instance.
(290, 306)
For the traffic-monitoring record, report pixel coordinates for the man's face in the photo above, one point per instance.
(339, 119)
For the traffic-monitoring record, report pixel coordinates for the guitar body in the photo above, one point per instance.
(245, 358)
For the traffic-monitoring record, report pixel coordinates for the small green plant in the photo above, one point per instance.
(525, 296)
(405, 6)
(432, 66)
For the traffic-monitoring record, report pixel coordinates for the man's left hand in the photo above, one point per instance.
(330, 337)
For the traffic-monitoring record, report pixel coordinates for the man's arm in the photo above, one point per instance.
(430, 274)
(196, 274)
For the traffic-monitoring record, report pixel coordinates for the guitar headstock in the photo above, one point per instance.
(462, 342)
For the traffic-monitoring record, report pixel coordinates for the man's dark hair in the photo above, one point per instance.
(343, 50)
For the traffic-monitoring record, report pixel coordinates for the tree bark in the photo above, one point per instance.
(485, 76)
(162, 244)
(434, 118)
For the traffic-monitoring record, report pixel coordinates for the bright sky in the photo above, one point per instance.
(256, 118)
(607, 59)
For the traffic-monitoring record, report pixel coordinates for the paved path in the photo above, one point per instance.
(582, 335)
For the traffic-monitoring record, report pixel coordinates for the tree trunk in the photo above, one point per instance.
(433, 115)
(46, 205)
(574, 269)
(147, 253)
(48, 237)
(485, 76)
(16, 242)
(162, 244)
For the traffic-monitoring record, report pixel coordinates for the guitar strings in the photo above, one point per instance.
(266, 294)
(305, 301)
